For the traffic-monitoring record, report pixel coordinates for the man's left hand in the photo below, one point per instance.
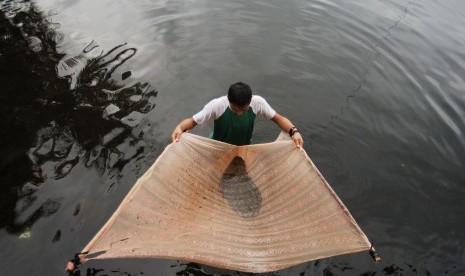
(299, 142)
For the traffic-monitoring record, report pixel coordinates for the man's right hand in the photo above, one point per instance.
(176, 133)
(185, 125)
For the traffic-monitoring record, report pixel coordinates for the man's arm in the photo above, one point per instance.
(286, 125)
(184, 125)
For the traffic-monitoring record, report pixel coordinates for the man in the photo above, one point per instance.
(234, 117)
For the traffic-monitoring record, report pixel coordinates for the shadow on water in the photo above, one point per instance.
(58, 110)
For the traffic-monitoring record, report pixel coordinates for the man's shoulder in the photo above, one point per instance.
(256, 99)
(260, 106)
(217, 105)
(212, 110)
(219, 101)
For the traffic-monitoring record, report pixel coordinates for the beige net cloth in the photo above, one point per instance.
(254, 208)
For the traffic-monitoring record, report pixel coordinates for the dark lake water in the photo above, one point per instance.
(91, 90)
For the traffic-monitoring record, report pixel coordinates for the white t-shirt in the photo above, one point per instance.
(216, 107)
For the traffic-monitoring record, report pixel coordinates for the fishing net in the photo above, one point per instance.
(255, 208)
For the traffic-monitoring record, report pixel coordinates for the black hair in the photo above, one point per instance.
(240, 94)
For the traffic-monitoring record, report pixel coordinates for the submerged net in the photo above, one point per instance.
(255, 208)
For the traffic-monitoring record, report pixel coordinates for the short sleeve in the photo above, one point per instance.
(261, 107)
(212, 110)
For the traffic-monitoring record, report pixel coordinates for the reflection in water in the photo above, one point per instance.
(80, 108)
(319, 267)
(194, 269)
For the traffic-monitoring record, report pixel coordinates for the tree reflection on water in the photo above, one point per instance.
(60, 110)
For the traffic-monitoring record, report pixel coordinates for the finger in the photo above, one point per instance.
(69, 267)
(299, 142)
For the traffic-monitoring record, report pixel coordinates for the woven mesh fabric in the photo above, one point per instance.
(255, 208)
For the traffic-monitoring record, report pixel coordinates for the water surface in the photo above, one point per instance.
(91, 90)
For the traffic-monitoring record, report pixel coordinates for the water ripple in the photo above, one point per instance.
(376, 88)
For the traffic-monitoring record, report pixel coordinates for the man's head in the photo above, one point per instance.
(239, 94)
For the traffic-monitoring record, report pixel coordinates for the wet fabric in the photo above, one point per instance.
(254, 208)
